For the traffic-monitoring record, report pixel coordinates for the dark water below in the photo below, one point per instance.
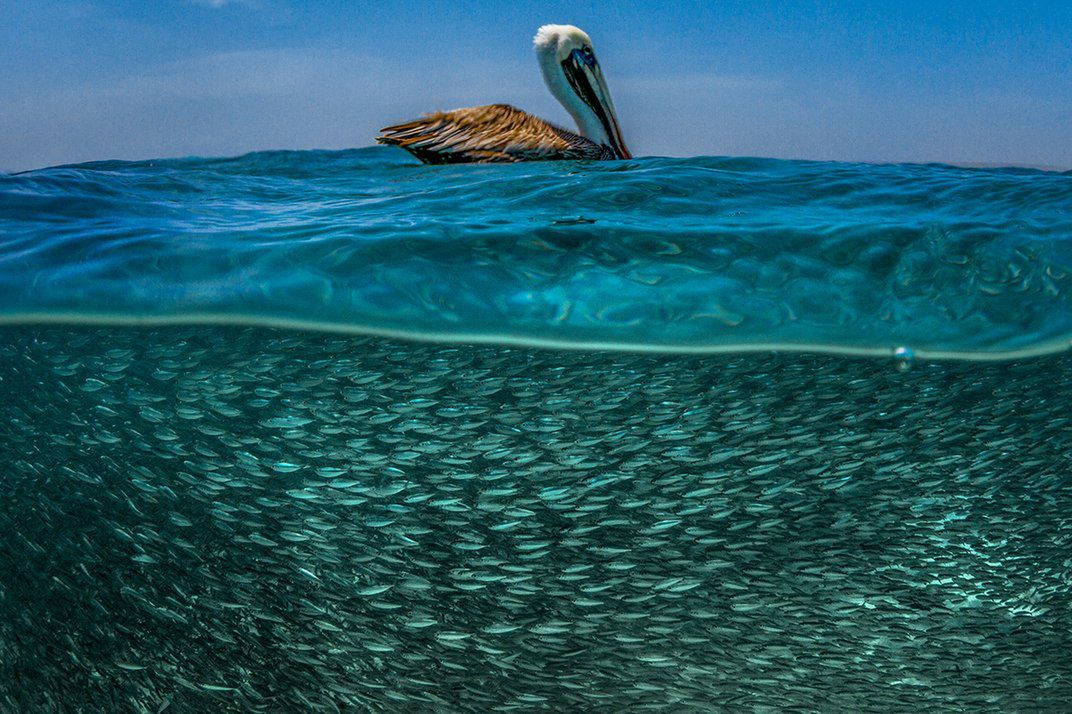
(242, 519)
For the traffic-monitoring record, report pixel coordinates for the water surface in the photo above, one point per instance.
(698, 254)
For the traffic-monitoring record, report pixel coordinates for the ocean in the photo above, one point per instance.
(325, 431)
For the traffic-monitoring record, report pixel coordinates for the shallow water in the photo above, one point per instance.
(248, 518)
(670, 254)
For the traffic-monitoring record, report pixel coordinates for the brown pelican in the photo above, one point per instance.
(501, 133)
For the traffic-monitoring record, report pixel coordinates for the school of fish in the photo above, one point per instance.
(248, 519)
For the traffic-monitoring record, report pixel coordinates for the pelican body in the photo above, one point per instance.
(501, 133)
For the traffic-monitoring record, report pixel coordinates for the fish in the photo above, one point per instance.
(724, 528)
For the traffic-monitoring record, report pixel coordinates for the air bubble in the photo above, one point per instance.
(904, 358)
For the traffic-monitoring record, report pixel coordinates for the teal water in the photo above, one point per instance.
(671, 254)
(517, 438)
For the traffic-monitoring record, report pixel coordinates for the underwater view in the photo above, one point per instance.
(334, 430)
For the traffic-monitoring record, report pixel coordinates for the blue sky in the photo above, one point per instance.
(959, 81)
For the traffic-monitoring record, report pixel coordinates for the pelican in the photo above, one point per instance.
(501, 133)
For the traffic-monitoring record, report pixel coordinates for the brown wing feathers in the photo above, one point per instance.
(488, 134)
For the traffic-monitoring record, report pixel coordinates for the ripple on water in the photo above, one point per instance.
(704, 254)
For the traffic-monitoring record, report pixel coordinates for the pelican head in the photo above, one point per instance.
(573, 75)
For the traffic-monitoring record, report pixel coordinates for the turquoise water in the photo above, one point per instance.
(670, 254)
(518, 438)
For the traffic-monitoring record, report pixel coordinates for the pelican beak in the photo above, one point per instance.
(586, 78)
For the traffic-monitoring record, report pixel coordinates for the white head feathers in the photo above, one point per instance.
(562, 39)
(573, 75)
(553, 44)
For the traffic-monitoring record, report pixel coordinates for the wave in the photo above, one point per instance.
(674, 255)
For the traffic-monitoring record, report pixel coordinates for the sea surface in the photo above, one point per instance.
(334, 431)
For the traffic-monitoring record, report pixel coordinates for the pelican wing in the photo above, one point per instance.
(491, 134)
